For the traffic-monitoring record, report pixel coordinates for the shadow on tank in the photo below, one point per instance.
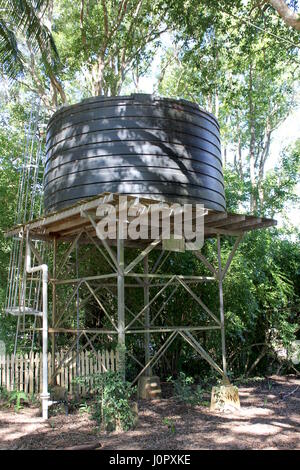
(137, 144)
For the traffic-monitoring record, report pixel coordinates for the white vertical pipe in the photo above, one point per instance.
(147, 315)
(44, 268)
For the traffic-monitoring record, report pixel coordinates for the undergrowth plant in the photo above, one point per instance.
(184, 390)
(113, 407)
(170, 425)
(84, 408)
(3, 393)
(17, 397)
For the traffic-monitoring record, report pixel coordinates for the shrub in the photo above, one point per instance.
(184, 390)
(3, 393)
(113, 394)
(17, 397)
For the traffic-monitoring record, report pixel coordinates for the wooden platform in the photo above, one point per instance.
(67, 223)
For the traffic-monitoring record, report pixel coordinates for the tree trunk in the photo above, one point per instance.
(98, 85)
(239, 163)
(263, 158)
(290, 17)
(253, 205)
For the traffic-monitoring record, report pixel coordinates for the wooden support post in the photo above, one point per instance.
(77, 322)
(221, 306)
(147, 315)
(121, 306)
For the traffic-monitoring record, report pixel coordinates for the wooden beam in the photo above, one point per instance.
(223, 272)
(263, 224)
(221, 231)
(66, 225)
(246, 223)
(205, 261)
(215, 217)
(67, 222)
(232, 219)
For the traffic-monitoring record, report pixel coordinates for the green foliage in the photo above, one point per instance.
(170, 425)
(104, 42)
(17, 397)
(3, 393)
(184, 390)
(230, 68)
(84, 408)
(113, 406)
(24, 17)
(280, 184)
(261, 294)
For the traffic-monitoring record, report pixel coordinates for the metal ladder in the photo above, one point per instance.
(23, 297)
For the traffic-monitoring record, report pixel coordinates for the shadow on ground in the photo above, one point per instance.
(269, 419)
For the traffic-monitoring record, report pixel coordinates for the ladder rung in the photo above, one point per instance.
(20, 311)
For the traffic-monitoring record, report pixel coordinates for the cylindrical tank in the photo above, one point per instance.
(139, 145)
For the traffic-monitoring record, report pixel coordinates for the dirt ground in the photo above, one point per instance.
(269, 418)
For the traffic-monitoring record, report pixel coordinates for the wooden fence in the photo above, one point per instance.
(24, 373)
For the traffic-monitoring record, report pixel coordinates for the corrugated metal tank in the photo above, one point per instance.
(139, 144)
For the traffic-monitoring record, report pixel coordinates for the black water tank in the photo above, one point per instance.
(138, 144)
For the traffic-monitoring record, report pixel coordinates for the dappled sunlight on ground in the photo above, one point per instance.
(269, 418)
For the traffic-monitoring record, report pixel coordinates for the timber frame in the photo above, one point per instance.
(76, 226)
